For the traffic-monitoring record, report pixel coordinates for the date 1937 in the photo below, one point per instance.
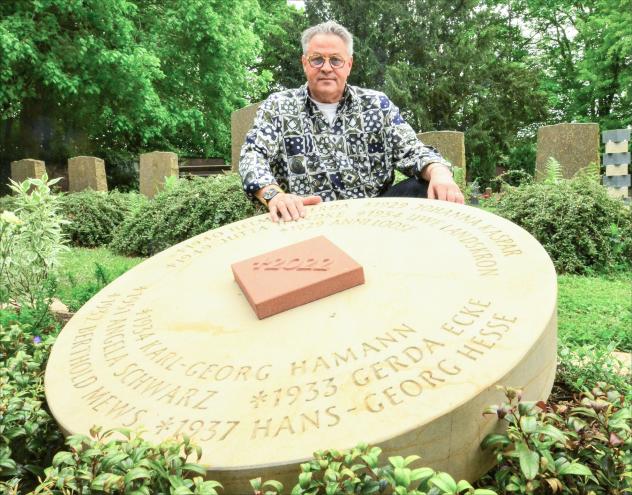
(297, 264)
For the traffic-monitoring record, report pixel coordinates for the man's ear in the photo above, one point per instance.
(350, 62)
(304, 63)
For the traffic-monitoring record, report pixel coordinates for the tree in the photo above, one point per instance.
(117, 77)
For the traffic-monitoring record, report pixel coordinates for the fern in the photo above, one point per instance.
(552, 171)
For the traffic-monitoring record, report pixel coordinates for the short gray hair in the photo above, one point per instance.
(329, 27)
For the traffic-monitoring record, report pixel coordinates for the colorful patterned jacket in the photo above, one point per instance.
(292, 144)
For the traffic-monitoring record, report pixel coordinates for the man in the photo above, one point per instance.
(328, 140)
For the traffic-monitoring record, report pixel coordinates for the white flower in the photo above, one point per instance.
(9, 217)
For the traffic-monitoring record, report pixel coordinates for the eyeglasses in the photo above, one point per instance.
(317, 60)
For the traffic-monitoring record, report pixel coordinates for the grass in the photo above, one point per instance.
(84, 272)
(595, 311)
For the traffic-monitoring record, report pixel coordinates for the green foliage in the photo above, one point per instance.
(579, 225)
(357, 471)
(580, 366)
(82, 293)
(93, 216)
(580, 447)
(595, 311)
(116, 462)
(511, 178)
(78, 280)
(28, 435)
(31, 241)
(183, 210)
(114, 78)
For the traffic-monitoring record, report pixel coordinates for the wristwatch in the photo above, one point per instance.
(271, 193)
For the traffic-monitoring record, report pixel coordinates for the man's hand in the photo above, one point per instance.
(441, 184)
(289, 207)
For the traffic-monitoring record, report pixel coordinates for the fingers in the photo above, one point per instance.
(445, 192)
(312, 200)
(289, 207)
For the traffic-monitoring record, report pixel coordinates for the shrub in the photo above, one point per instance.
(31, 240)
(93, 216)
(105, 465)
(28, 434)
(357, 471)
(185, 208)
(579, 225)
(580, 447)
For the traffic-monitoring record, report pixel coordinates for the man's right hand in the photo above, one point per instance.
(289, 207)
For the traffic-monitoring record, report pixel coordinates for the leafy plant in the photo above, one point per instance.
(573, 219)
(552, 172)
(186, 208)
(357, 471)
(93, 216)
(82, 293)
(28, 434)
(580, 447)
(102, 464)
(580, 366)
(31, 241)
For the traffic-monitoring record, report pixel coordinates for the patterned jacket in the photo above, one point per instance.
(292, 144)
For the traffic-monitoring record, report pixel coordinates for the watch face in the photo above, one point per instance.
(270, 193)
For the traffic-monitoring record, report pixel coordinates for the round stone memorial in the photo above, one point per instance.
(455, 302)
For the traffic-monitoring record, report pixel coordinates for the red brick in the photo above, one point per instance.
(295, 275)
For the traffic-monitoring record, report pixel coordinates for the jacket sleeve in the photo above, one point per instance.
(407, 153)
(260, 148)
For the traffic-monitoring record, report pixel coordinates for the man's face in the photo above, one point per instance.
(326, 84)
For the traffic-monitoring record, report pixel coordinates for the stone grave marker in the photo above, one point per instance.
(617, 160)
(27, 168)
(240, 123)
(407, 361)
(86, 172)
(154, 167)
(451, 145)
(574, 146)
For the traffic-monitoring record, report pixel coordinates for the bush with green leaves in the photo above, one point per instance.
(116, 462)
(580, 447)
(31, 240)
(93, 216)
(185, 208)
(358, 471)
(28, 434)
(579, 225)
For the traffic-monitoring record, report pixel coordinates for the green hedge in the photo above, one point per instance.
(187, 207)
(94, 216)
(580, 226)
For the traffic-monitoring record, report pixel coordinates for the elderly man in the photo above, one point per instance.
(328, 140)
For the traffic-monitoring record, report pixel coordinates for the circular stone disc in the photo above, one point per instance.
(456, 301)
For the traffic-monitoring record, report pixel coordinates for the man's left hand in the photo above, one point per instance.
(442, 186)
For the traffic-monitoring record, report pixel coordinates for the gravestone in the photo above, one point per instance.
(574, 146)
(240, 123)
(407, 361)
(451, 145)
(27, 169)
(154, 167)
(86, 172)
(617, 161)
